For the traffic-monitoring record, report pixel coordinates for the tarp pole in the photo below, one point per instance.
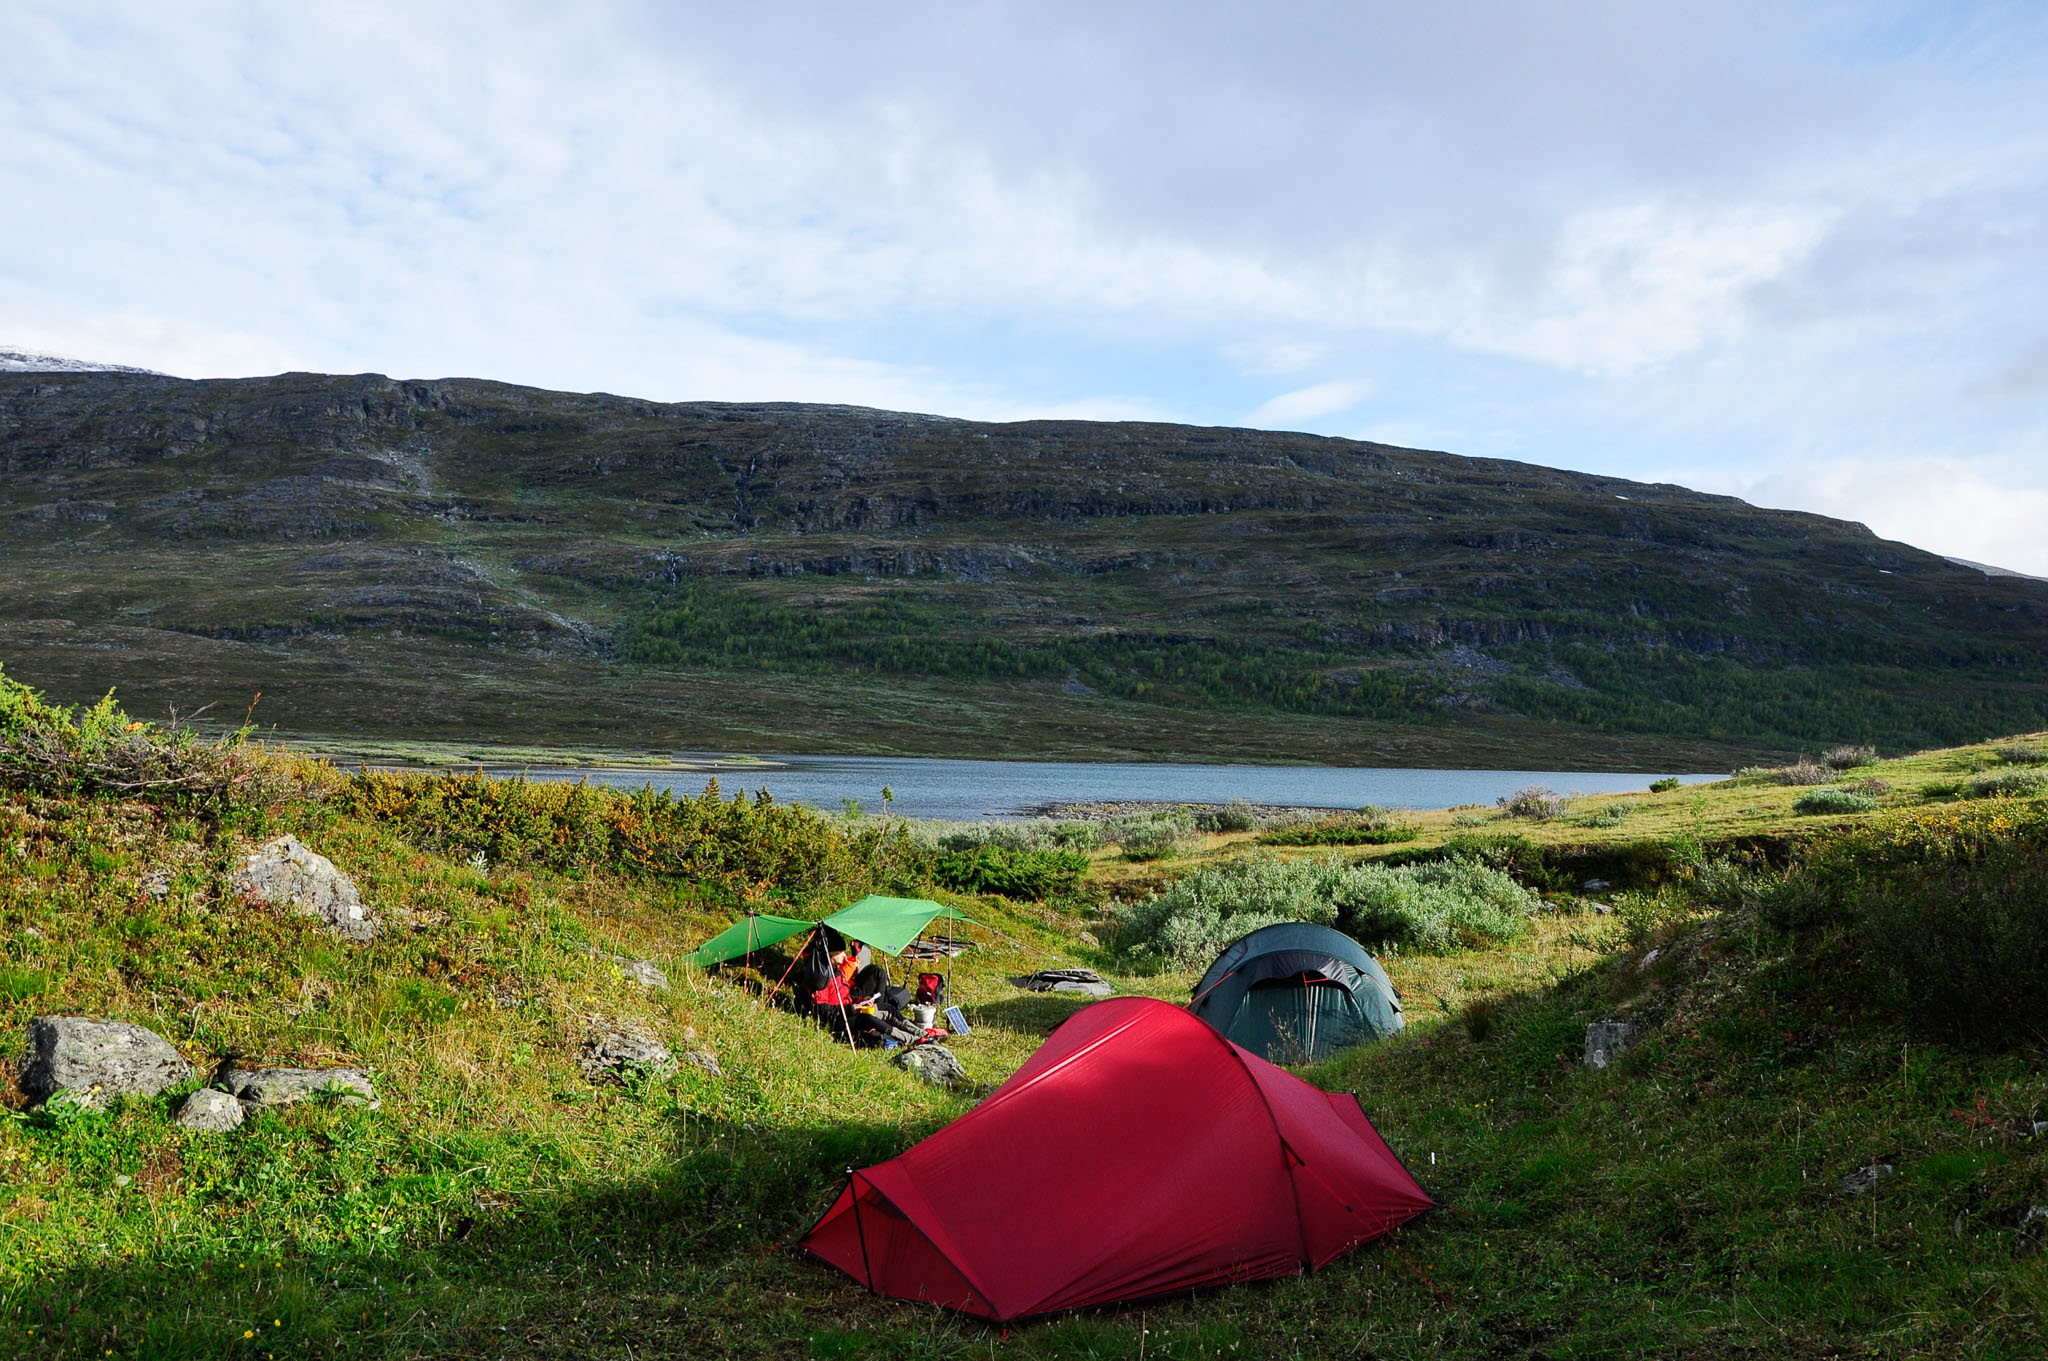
(792, 965)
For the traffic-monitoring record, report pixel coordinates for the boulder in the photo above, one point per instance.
(97, 1060)
(2033, 1230)
(1607, 1041)
(1860, 1182)
(259, 1087)
(285, 873)
(934, 1063)
(607, 1054)
(210, 1111)
(1085, 981)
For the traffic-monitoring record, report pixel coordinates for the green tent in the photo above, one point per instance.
(887, 924)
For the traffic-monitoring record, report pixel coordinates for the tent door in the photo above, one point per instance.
(1298, 1019)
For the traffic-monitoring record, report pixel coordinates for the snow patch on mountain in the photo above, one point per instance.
(21, 361)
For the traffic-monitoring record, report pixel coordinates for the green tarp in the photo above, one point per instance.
(887, 924)
(745, 936)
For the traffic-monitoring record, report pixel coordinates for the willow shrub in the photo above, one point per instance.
(750, 845)
(1434, 907)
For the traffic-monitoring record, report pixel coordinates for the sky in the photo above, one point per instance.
(1795, 252)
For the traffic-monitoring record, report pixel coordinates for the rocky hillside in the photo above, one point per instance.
(459, 557)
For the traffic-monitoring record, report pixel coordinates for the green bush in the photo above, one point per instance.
(2020, 753)
(1013, 874)
(2007, 784)
(1235, 816)
(1369, 826)
(1665, 785)
(1152, 836)
(1822, 801)
(749, 845)
(1435, 906)
(1607, 815)
(100, 752)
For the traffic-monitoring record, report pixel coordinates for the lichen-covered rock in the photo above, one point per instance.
(98, 1060)
(1863, 1180)
(1607, 1041)
(210, 1111)
(934, 1063)
(607, 1054)
(644, 972)
(704, 1059)
(286, 873)
(281, 1086)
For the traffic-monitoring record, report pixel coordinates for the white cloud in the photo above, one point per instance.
(1290, 409)
(1943, 505)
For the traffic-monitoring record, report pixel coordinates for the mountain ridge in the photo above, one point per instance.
(1058, 587)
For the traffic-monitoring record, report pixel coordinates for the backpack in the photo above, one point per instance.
(931, 989)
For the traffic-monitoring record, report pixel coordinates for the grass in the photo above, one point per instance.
(1680, 1203)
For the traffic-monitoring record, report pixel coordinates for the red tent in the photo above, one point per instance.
(1137, 1153)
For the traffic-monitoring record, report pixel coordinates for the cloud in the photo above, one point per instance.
(1290, 409)
(1943, 505)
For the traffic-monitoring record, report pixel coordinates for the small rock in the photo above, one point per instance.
(934, 1063)
(155, 884)
(1607, 1041)
(97, 1061)
(705, 1059)
(285, 873)
(1859, 1182)
(606, 1054)
(1602, 908)
(641, 971)
(210, 1111)
(260, 1087)
(1648, 959)
(2033, 1230)
(1595, 886)
(1085, 981)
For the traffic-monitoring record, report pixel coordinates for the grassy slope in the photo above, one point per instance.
(499, 1205)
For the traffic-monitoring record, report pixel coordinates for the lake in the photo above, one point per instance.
(930, 788)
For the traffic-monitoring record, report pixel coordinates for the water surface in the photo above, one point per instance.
(931, 788)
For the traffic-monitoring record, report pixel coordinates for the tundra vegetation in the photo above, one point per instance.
(1827, 1138)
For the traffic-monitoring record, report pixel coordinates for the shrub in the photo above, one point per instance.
(936, 837)
(1665, 785)
(1834, 801)
(2007, 784)
(1849, 757)
(99, 751)
(1371, 825)
(1152, 835)
(1804, 772)
(1534, 802)
(2020, 753)
(1235, 816)
(1607, 815)
(748, 844)
(1013, 874)
(1436, 906)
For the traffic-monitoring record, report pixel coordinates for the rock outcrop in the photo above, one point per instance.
(609, 1053)
(934, 1063)
(1607, 1041)
(286, 873)
(97, 1061)
(260, 1087)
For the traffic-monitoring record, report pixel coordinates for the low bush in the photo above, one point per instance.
(1849, 757)
(1804, 772)
(2007, 784)
(1152, 836)
(1665, 785)
(1535, 803)
(1607, 815)
(1822, 801)
(1235, 816)
(1012, 874)
(937, 837)
(749, 844)
(1433, 906)
(1371, 825)
(98, 751)
(2020, 753)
